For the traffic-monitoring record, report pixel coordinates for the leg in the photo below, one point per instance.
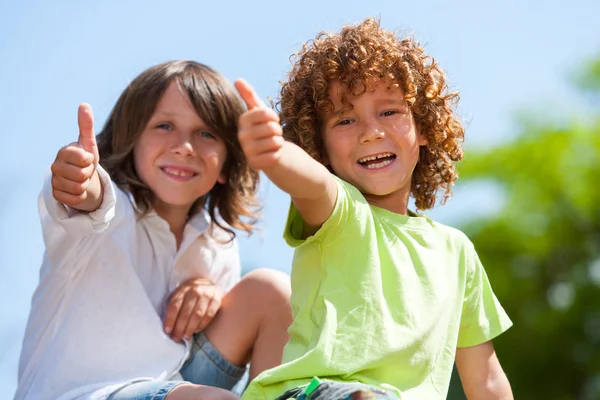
(190, 392)
(175, 390)
(251, 325)
(207, 366)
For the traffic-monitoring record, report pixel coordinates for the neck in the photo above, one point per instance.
(176, 217)
(396, 202)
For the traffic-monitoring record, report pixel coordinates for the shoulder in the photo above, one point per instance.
(453, 237)
(219, 236)
(350, 205)
(348, 190)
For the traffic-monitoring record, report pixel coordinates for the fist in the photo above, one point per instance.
(74, 169)
(259, 130)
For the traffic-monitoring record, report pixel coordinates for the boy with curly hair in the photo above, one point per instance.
(384, 299)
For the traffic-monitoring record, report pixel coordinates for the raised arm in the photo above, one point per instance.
(78, 202)
(310, 185)
(75, 181)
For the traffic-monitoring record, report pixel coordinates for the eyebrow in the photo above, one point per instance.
(337, 113)
(165, 113)
(334, 115)
(393, 101)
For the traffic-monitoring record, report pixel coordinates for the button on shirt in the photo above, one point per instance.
(96, 320)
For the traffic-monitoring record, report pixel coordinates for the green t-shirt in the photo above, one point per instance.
(381, 298)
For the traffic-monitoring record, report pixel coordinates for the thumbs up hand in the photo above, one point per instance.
(75, 181)
(259, 131)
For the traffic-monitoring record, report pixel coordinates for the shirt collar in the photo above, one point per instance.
(200, 221)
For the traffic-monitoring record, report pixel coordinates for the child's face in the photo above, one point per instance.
(375, 145)
(177, 155)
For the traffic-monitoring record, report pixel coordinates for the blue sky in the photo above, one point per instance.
(504, 57)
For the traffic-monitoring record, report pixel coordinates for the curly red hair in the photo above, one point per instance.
(359, 57)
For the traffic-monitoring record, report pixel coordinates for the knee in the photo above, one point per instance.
(272, 282)
(190, 391)
(267, 287)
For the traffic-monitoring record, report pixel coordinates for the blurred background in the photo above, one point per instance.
(529, 77)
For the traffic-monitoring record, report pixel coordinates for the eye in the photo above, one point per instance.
(164, 126)
(343, 122)
(206, 134)
(389, 113)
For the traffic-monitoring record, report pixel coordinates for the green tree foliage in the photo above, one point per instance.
(542, 252)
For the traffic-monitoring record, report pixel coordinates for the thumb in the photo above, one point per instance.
(248, 94)
(87, 139)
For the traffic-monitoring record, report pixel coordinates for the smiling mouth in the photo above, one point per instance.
(183, 173)
(377, 161)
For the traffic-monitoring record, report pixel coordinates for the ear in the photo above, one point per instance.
(222, 179)
(324, 158)
(421, 138)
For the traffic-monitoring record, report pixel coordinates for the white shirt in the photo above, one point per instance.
(96, 320)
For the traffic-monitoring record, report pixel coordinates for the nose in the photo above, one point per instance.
(371, 131)
(183, 144)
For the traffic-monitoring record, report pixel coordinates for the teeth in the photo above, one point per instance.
(178, 172)
(379, 164)
(371, 158)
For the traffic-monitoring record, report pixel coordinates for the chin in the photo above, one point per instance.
(380, 192)
(176, 201)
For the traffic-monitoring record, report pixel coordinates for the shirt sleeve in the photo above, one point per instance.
(334, 226)
(483, 318)
(75, 222)
(231, 270)
(70, 234)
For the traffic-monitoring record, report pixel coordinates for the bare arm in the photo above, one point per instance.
(307, 181)
(310, 185)
(481, 375)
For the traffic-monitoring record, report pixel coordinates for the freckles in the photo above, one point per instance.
(215, 157)
(403, 126)
(145, 147)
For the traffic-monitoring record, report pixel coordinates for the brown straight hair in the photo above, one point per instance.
(217, 103)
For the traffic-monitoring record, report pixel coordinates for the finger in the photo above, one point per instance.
(258, 116)
(185, 313)
(251, 136)
(71, 172)
(264, 160)
(87, 139)
(197, 316)
(68, 199)
(264, 145)
(211, 311)
(68, 186)
(248, 94)
(74, 155)
(175, 303)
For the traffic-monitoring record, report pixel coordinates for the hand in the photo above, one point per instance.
(75, 181)
(260, 134)
(192, 307)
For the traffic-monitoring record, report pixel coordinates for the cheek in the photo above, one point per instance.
(216, 155)
(404, 127)
(221, 154)
(142, 159)
(407, 132)
(337, 147)
(220, 164)
(138, 157)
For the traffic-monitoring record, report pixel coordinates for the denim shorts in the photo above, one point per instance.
(206, 366)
